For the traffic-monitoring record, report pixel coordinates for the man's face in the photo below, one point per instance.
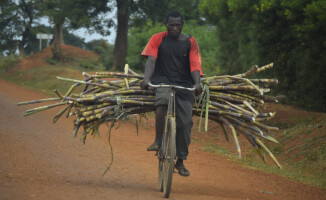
(174, 26)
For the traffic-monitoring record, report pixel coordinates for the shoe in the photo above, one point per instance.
(182, 170)
(154, 147)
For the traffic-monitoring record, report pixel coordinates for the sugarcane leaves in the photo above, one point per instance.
(207, 108)
(224, 131)
(202, 99)
(137, 126)
(110, 145)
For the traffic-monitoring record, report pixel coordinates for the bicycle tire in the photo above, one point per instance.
(160, 173)
(169, 156)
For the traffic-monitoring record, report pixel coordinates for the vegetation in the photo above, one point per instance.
(288, 33)
(43, 78)
(233, 35)
(301, 150)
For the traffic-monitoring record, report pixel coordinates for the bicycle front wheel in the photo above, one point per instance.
(160, 172)
(169, 156)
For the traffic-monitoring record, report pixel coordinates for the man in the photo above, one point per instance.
(173, 58)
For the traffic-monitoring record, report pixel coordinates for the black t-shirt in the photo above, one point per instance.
(176, 59)
(172, 64)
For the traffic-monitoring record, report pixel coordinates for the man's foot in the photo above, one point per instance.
(182, 169)
(154, 147)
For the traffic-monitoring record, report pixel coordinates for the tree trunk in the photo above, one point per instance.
(121, 41)
(58, 41)
(58, 38)
(21, 47)
(30, 15)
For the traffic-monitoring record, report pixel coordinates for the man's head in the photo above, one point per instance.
(174, 23)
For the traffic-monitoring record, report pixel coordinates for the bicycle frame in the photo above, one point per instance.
(167, 156)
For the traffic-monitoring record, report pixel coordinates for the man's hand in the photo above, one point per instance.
(198, 89)
(144, 85)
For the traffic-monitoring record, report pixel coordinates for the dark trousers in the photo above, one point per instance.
(183, 112)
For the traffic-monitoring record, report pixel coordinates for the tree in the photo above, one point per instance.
(29, 12)
(139, 12)
(76, 14)
(16, 19)
(121, 41)
(288, 33)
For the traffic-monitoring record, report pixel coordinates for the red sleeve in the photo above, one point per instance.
(151, 48)
(194, 57)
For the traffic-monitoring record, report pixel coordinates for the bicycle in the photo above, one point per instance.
(167, 154)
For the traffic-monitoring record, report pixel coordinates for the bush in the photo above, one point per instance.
(7, 62)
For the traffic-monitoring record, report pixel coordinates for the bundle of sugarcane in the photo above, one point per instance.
(234, 101)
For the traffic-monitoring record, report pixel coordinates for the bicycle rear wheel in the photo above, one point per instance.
(169, 156)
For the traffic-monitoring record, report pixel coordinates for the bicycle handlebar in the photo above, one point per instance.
(171, 86)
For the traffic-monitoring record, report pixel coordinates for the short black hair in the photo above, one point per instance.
(173, 14)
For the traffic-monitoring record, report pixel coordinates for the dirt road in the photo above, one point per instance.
(41, 160)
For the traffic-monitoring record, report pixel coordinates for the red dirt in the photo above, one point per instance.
(40, 160)
(39, 59)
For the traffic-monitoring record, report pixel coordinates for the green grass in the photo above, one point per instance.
(43, 79)
(305, 161)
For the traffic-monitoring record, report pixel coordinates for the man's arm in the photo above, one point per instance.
(149, 71)
(196, 77)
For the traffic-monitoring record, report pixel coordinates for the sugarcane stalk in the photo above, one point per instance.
(60, 113)
(265, 67)
(38, 101)
(269, 152)
(247, 81)
(115, 75)
(265, 127)
(84, 82)
(126, 73)
(250, 107)
(207, 107)
(58, 94)
(225, 121)
(41, 108)
(225, 133)
(250, 71)
(240, 108)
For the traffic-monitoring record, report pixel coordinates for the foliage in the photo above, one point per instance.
(288, 33)
(137, 40)
(7, 62)
(104, 50)
(156, 11)
(16, 19)
(78, 13)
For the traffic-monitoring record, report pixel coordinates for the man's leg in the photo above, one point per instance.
(160, 114)
(184, 104)
(161, 102)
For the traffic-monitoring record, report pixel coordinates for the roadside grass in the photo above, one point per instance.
(43, 79)
(301, 152)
